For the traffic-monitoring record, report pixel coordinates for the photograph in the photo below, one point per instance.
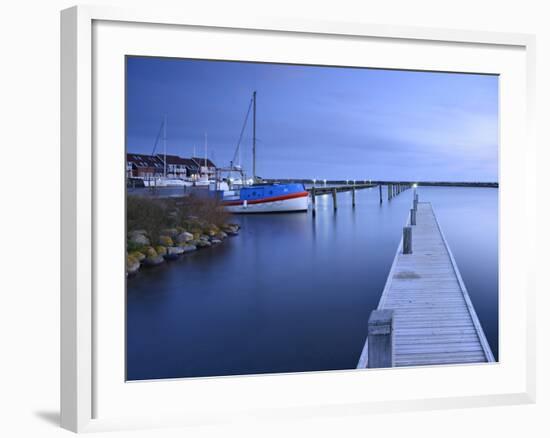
(290, 218)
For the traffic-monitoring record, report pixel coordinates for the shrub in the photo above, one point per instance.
(156, 216)
(146, 213)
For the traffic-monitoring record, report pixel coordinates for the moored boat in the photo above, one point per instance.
(268, 198)
(258, 198)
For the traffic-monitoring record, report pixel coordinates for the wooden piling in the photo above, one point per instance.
(353, 196)
(413, 216)
(334, 202)
(380, 339)
(380, 191)
(313, 208)
(389, 191)
(407, 240)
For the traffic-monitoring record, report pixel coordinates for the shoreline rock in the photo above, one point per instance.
(173, 243)
(132, 265)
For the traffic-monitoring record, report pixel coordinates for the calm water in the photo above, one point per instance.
(292, 293)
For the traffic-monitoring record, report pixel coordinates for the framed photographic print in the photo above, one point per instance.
(265, 217)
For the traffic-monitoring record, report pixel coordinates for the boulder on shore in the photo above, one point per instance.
(152, 257)
(184, 237)
(211, 230)
(216, 241)
(160, 249)
(132, 264)
(221, 235)
(137, 255)
(203, 243)
(231, 229)
(189, 248)
(166, 241)
(138, 238)
(153, 261)
(173, 252)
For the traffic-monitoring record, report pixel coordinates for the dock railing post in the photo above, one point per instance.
(413, 216)
(407, 240)
(380, 339)
(334, 202)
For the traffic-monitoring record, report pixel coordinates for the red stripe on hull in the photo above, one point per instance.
(266, 200)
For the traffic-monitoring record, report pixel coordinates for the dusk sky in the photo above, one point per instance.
(319, 122)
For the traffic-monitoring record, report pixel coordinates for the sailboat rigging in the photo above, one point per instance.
(262, 198)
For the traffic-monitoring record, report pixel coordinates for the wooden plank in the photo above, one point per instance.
(434, 319)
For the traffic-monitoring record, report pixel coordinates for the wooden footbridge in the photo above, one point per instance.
(425, 315)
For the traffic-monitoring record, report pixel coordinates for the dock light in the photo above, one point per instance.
(415, 185)
(325, 181)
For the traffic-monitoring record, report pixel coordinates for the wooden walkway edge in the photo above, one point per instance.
(434, 319)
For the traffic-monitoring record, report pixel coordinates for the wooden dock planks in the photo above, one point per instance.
(434, 319)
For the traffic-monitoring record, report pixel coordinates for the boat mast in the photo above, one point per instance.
(164, 141)
(206, 153)
(254, 139)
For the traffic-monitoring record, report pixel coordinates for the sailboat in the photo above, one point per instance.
(164, 180)
(204, 179)
(265, 198)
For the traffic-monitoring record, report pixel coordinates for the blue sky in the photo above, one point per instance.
(319, 122)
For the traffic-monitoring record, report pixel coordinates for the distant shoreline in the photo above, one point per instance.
(322, 182)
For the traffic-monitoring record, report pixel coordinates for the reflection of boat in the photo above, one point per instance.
(268, 198)
(262, 198)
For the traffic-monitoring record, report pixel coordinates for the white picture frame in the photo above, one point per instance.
(85, 374)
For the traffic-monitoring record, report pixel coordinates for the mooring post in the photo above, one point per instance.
(334, 203)
(389, 192)
(380, 339)
(413, 216)
(313, 200)
(407, 240)
(380, 190)
(353, 196)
